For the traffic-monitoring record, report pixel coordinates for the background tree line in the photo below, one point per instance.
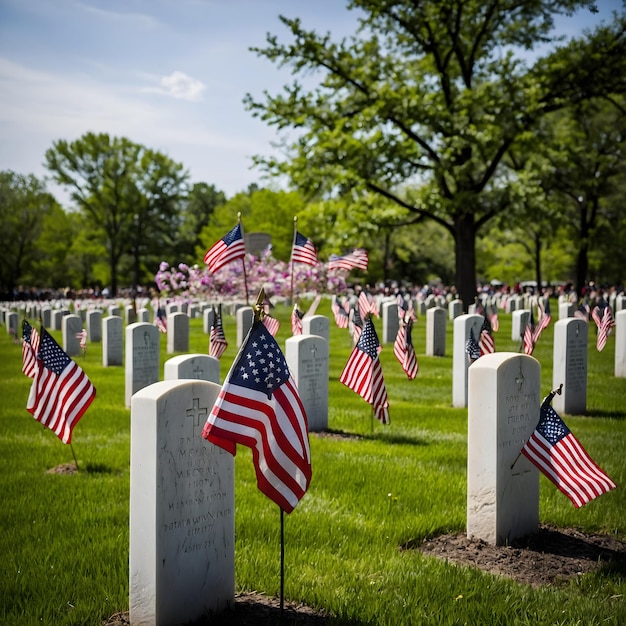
(435, 137)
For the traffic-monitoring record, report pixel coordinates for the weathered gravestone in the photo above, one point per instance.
(94, 325)
(141, 358)
(72, 326)
(460, 361)
(198, 366)
(182, 506)
(503, 411)
(436, 332)
(569, 365)
(130, 314)
(620, 344)
(316, 325)
(112, 341)
(245, 317)
(11, 320)
(519, 321)
(46, 316)
(256, 243)
(307, 358)
(177, 332)
(391, 321)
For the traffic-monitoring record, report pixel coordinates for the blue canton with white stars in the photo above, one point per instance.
(51, 354)
(368, 341)
(233, 235)
(262, 366)
(551, 427)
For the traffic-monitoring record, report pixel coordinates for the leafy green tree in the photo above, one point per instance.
(24, 205)
(424, 104)
(130, 195)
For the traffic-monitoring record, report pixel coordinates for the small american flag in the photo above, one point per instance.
(364, 375)
(340, 313)
(472, 349)
(559, 455)
(228, 249)
(296, 320)
(606, 323)
(61, 392)
(259, 407)
(82, 340)
(303, 250)
(367, 306)
(486, 342)
(217, 338)
(582, 312)
(30, 346)
(272, 324)
(160, 321)
(357, 259)
(493, 317)
(355, 324)
(528, 339)
(544, 319)
(404, 350)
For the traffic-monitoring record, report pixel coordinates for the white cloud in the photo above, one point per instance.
(179, 85)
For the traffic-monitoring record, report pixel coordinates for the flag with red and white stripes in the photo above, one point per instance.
(559, 455)
(528, 338)
(296, 320)
(217, 338)
(486, 343)
(603, 318)
(61, 392)
(544, 319)
(340, 312)
(259, 407)
(228, 249)
(30, 346)
(363, 372)
(303, 250)
(404, 350)
(367, 306)
(357, 259)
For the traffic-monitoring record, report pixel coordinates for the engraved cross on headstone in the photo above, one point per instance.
(196, 413)
(519, 379)
(313, 350)
(198, 373)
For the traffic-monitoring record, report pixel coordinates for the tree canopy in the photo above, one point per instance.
(424, 103)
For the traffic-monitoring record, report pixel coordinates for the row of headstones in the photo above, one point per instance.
(182, 498)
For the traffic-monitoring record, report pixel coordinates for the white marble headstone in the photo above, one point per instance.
(503, 411)
(94, 325)
(569, 365)
(244, 316)
(520, 319)
(436, 332)
(460, 361)
(177, 332)
(197, 366)
(141, 357)
(307, 358)
(391, 321)
(620, 344)
(72, 325)
(316, 325)
(112, 341)
(182, 506)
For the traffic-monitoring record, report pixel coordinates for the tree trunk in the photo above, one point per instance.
(465, 261)
(538, 277)
(582, 259)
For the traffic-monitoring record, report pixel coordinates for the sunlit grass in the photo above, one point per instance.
(374, 489)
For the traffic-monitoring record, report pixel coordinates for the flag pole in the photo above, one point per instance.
(74, 455)
(243, 262)
(295, 230)
(546, 400)
(282, 563)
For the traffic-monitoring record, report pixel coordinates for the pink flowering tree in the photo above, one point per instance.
(264, 271)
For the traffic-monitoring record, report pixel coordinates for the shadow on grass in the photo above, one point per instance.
(615, 415)
(392, 438)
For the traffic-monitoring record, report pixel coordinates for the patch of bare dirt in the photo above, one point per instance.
(550, 556)
(64, 468)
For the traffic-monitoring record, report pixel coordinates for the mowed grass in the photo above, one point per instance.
(374, 489)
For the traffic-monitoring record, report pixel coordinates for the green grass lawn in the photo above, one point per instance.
(64, 538)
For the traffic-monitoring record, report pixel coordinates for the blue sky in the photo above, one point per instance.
(168, 74)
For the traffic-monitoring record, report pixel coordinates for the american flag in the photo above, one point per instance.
(217, 338)
(259, 407)
(357, 259)
(272, 324)
(296, 320)
(61, 392)
(582, 312)
(229, 248)
(493, 317)
(472, 349)
(406, 312)
(604, 327)
(528, 339)
(160, 320)
(364, 375)
(544, 318)
(303, 250)
(355, 324)
(559, 455)
(367, 306)
(404, 350)
(340, 313)
(82, 339)
(486, 342)
(30, 346)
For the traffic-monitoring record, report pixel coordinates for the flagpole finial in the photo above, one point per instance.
(239, 217)
(259, 311)
(295, 219)
(554, 392)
